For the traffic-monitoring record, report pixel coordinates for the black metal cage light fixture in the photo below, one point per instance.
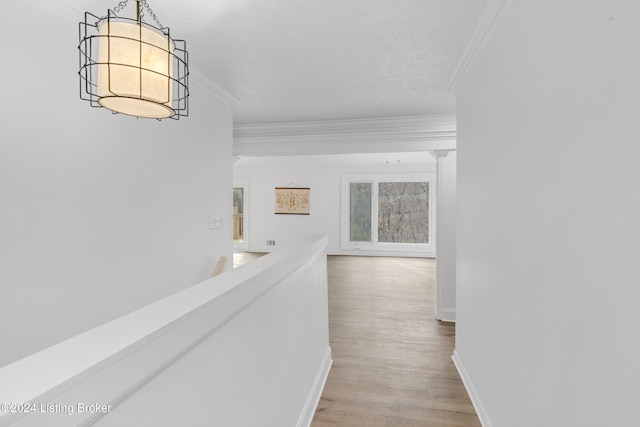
(132, 67)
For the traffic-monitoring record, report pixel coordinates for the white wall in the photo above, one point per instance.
(548, 212)
(322, 173)
(99, 214)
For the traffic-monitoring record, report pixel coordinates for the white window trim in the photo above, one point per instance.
(419, 249)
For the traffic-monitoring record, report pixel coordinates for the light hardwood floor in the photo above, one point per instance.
(391, 358)
(240, 258)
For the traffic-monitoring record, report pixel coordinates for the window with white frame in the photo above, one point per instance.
(383, 212)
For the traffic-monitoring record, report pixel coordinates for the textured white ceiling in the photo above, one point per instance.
(306, 60)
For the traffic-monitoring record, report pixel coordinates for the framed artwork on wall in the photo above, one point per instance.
(292, 201)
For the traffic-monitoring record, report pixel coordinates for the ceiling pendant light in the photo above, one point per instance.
(131, 67)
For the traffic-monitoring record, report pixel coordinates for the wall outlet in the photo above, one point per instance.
(215, 222)
(271, 242)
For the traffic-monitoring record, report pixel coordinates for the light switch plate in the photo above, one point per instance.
(215, 222)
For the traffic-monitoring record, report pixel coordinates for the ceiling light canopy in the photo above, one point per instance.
(132, 67)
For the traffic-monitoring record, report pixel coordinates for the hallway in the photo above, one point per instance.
(392, 360)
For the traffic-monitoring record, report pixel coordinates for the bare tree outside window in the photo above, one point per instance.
(360, 211)
(238, 200)
(238, 214)
(403, 212)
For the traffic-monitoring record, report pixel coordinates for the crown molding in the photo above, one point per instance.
(212, 88)
(491, 17)
(384, 135)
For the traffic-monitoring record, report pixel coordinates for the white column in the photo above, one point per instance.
(446, 234)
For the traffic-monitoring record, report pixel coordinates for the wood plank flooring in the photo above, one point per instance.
(391, 359)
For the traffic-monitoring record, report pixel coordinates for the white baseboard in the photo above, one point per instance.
(310, 406)
(471, 391)
(382, 253)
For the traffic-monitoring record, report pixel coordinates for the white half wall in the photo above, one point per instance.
(249, 347)
(322, 173)
(548, 208)
(100, 214)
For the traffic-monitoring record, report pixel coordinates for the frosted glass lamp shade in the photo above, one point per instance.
(135, 69)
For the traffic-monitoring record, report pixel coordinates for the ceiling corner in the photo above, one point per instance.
(490, 19)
